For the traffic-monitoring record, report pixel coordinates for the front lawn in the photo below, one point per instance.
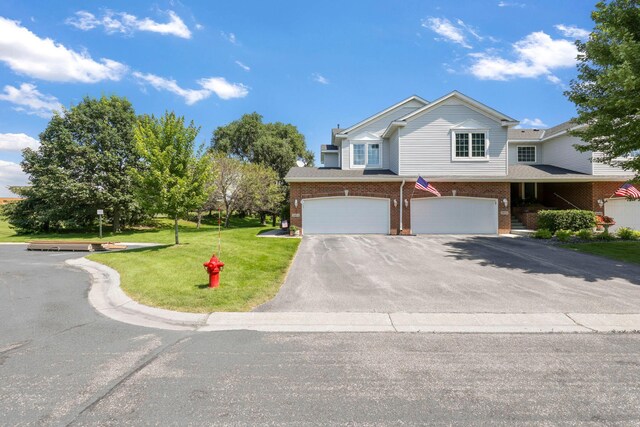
(628, 251)
(173, 277)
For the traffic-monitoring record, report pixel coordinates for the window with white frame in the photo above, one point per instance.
(358, 154)
(526, 154)
(366, 155)
(470, 145)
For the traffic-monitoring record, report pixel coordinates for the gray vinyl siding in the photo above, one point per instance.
(603, 169)
(425, 144)
(346, 154)
(560, 152)
(377, 127)
(513, 152)
(385, 154)
(393, 152)
(380, 124)
(330, 160)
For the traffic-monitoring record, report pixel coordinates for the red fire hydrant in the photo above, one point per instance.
(214, 267)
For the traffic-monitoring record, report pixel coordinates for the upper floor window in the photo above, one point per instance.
(366, 155)
(470, 145)
(526, 154)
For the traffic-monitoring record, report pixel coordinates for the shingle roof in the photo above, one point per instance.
(524, 134)
(328, 147)
(559, 128)
(542, 171)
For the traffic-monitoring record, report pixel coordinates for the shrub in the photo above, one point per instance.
(605, 237)
(564, 235)
(542, 233)
(585, 234)
(626, 233)
(572, 219)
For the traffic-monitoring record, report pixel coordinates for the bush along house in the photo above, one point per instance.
(484, 169)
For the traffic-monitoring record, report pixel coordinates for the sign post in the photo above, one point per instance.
(100, 213)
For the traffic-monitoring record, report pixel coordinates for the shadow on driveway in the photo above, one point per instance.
(533, 257)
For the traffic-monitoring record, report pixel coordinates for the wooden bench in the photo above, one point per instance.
(69, 245)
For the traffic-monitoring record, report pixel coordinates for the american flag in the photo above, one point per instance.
(423, 185)
(628, 190)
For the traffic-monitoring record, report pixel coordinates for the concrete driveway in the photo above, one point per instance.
(452, 274)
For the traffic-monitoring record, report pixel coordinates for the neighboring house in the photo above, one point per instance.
(6, 200)
(472, 155)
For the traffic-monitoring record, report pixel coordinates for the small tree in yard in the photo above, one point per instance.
(172, 178)
(607, 90)
(245, 186)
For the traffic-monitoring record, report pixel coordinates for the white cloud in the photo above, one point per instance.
(447, 29)
(218, 85)
(17, 142)
(191, 96)
(230, 37)
(27, 98)
(125, 23)
(243, 66)
(319, 78)
(225, 90)
(28, 54)
(536, 55)
(510, 4)
(572, 31)
(531, 123)
(11, 174)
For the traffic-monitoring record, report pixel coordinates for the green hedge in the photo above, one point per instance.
(572, 219)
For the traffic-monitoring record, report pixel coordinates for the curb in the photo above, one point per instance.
(107, 298)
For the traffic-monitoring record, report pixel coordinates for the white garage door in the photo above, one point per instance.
(454, 215)
(626, 213)
(345, 215)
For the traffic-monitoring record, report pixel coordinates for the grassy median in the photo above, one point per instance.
(173, 277)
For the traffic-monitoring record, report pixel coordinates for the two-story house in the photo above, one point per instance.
(468, 151)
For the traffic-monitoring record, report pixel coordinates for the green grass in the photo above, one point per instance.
(173, 277)
(621, 251)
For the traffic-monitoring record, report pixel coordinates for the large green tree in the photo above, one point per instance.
(607, 90)
(172, 177)
(81, 166)
(277, 145)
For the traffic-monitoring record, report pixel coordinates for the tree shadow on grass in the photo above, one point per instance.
(532, 257)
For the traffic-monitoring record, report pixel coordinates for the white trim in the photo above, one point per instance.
(366, 144)
(535, 154)
(481, 108)
(399, 178)
(469, 132)
(381, 113)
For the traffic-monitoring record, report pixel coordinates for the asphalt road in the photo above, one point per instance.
(61, 363)
(467, 274)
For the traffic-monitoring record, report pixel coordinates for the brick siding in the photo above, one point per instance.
(391, 190)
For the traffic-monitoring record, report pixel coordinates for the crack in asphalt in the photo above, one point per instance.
(111, 388)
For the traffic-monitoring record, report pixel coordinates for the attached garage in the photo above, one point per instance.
(345, 215)
(454, 215)
(626, 213)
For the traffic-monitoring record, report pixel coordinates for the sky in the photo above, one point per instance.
(313, 64)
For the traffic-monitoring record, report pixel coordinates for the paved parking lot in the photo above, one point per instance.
(452, 274)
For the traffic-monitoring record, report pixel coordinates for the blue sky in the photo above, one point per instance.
(313, 64)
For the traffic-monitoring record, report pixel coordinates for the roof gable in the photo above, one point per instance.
(382, 113)
(469, 102)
